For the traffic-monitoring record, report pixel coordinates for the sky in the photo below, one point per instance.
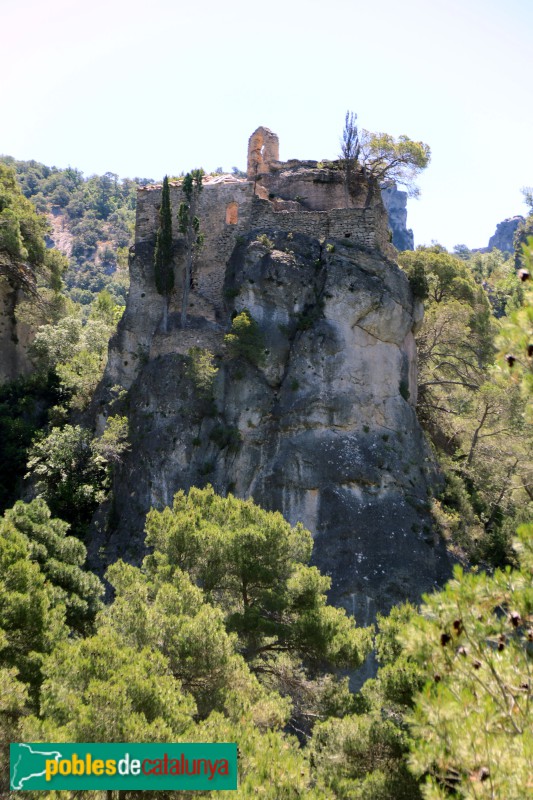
(144, 89)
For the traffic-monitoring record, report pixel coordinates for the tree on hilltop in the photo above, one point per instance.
(382, 157)
(350, 148)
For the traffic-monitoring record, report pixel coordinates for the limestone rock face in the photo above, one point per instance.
(323, 430)
(395, 202)
(15, 336)
(313, 186)
(504, 235)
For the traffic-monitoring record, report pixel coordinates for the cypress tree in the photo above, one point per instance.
(164, 268)
(189, 226)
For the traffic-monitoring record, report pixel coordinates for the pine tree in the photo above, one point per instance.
(164, 267)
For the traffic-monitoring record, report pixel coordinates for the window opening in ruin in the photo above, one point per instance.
(347, 235)
(232, 213)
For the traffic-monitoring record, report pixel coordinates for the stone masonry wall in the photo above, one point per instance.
(235, 200)
(220, 235)
(356, 224)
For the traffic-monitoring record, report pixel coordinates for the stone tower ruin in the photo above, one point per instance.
(263, 149)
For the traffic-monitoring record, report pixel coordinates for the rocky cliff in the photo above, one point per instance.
(319, 423)
(395, 202)
(16, 281)
(503, 237)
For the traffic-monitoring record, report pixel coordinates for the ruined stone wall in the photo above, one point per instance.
(263, 150)
(168, 343)
(229, 209)
(224, 212)
(315, 187)
(364, 227)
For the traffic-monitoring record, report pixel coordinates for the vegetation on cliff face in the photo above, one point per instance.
(245, 340)
(163, 261)
(69, 353)
(470, 403)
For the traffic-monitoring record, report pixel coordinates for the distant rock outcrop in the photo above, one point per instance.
(395, 202)
(503, 238)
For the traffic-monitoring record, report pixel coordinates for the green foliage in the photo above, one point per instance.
(263, 239)
(253, 565)
(163, 261)
(350, 148)
(60, 558)
(22, 230)
(226, 436)
(445, 275)
(56, 264)
(66, 475)
(472, 641)
(163, 665)
(13, 702)
(245, 339)
(24, 406)
(72, 470)
(98, 212)
(469, 406)
(31, 613)
(100, 689)
(109, 448)
(515, 342)
(498, 276)
(416, 273)
(364, 755)
(201, 370)
(362, 758)
(76, 351)
(522, 234)
(383, 157)
(169, 613)
(24, 260)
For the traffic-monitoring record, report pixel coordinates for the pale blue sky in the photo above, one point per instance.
(159, 86)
